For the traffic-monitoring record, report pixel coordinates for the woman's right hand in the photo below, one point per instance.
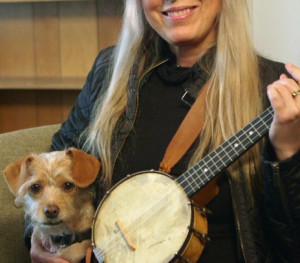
(39, 255)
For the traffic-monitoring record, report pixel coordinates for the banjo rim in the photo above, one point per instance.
(188, 238)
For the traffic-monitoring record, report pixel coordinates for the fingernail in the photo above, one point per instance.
(283, 76)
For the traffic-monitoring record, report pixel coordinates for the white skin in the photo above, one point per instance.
(189, 28)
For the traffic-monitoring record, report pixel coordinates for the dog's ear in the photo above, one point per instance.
(85, 167)
(16, 173)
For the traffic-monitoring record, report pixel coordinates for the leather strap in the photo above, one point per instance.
(186, 134)
(89, 255)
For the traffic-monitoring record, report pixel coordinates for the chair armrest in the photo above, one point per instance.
(14, 145)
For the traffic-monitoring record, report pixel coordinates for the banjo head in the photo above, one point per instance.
(144, 218)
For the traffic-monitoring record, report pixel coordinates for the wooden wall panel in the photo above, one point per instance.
(78, 36)
(48, 107)
(54, 41)
(21, 109)
(108, 34)
(18, 110)
(109, 22)
(17, 45)
(47, 41)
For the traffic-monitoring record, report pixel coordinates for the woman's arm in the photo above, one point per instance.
(281, 167)
(79, 117)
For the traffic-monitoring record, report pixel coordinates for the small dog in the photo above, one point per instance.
(57, 193)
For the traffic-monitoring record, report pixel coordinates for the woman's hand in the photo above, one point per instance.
(40, 255)
(285, 129)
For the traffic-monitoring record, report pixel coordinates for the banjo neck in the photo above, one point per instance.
(212, 164)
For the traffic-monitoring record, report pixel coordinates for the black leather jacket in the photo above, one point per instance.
(274, 236)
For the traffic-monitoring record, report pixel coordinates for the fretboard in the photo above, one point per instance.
(213, 163)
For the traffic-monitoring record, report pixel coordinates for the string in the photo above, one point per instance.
(164, 197)
(148, 218)
(262, 122)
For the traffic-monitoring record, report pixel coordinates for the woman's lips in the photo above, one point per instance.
(178, 13)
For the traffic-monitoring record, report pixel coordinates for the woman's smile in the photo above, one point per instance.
(178, 13)
(187, 25)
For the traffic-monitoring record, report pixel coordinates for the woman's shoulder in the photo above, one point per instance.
(270, 70)
(104, 57)
(99, 72)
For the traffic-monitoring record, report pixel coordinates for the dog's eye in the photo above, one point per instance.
(68, 186)
(35, 188)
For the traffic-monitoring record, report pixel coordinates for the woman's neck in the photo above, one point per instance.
(187, 56)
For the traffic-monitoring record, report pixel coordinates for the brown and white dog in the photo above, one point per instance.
(56, 190)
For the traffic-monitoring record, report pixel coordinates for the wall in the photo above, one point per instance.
(276, 27)
(59, 40)
(46, 51)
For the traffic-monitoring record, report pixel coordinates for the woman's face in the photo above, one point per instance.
(183, 22)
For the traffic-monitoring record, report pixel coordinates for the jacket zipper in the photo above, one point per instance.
(238, 224)
(281, 190)
(136, 108)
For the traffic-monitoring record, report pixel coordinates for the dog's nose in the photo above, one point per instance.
(51, 211)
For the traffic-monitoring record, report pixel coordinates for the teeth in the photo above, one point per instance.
(179, 13)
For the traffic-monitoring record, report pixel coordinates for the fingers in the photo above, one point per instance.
(294, 71)
(280, 92)
(284, 131)
(39, 255)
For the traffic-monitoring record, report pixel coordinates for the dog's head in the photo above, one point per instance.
(53, 186)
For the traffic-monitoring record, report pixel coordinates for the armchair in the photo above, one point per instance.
(14, 145)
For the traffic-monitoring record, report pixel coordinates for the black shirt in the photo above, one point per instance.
(160, 113)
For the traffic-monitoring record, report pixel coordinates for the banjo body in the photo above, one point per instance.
(148, 217)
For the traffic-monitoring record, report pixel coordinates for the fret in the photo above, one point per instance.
(209, 163)
(233, 146)
(200, 169)
(205, 165)
(223, 150)
(213, 163)
(255, 129)
(183, 180)
(193, 181)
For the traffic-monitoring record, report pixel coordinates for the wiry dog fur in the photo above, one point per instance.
(56, 191)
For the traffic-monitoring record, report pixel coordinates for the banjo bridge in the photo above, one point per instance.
(124, 234)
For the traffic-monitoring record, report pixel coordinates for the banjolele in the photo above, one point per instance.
(149, 216)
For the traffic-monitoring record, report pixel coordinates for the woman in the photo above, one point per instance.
(131, 107)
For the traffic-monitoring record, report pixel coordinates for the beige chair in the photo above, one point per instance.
(14, 145)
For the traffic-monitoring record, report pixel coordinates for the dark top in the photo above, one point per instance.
(161, 112)
(270, 234)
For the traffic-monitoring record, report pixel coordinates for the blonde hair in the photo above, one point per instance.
(234, 83)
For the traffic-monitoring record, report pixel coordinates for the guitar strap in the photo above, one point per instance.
(186, 134)
(184, 137)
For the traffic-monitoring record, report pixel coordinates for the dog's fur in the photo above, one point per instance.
(56, 190)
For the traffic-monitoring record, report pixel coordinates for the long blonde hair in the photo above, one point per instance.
(233, 96)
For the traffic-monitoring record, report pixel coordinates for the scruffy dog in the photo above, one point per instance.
(56, 190)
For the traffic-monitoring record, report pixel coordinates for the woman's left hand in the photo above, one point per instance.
(285, 129)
